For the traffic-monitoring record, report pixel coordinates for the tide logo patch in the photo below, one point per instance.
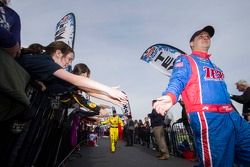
(213, 74)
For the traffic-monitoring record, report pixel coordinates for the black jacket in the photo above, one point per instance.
(156, 119)
(243, 99)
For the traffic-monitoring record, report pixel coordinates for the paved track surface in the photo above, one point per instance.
(136, 156)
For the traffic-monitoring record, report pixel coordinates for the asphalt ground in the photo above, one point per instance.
(136, 156)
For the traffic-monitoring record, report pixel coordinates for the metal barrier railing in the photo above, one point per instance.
(182, 141)
(42, 135)
(45, 138)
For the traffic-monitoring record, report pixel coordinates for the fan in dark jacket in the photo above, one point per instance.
(157, 123)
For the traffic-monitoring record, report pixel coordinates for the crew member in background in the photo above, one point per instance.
(244, 99)
(130, 128)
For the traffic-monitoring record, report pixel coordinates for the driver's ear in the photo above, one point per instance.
(192, 44)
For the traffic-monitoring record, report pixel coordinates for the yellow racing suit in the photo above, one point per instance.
(113, 131)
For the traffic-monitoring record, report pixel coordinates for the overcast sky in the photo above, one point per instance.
(111, 36)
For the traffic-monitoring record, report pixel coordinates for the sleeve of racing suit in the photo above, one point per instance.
(180, 76)
(82, 101)
(106, 121)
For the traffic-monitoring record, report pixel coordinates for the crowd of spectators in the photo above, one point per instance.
(42, 107)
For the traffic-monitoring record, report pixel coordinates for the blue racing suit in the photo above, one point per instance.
(222, 137)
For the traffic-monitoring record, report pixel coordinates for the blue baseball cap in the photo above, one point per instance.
(208, 29)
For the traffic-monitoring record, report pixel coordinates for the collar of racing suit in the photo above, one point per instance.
(201, 54)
